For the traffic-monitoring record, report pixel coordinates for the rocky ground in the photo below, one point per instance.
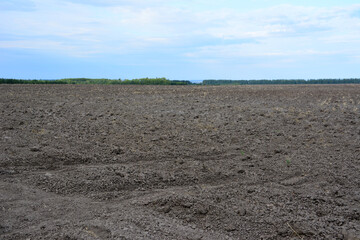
(179, 162)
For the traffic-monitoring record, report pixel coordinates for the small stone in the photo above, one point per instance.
(277, 151)
(35, 149)
(187, 204)
(202, 210)
(165, 209)
(241, 211)
(230, 228)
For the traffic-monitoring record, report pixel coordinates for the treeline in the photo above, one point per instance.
(282, 81)
(164, 81)
(140, 81)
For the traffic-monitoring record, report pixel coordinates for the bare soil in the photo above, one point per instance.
(179, 162)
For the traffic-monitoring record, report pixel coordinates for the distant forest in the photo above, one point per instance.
(164, 81)
(140, 81)
(282, 81)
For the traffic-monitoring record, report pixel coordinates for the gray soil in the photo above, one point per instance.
(179, 162)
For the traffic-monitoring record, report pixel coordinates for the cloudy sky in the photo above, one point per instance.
(197, 39)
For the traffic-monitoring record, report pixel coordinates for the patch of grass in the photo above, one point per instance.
(288, 162)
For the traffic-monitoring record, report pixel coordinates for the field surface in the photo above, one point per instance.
(179, 162)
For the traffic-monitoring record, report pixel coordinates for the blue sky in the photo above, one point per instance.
(196, 39)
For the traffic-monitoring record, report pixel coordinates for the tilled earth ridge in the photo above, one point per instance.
(179, 162)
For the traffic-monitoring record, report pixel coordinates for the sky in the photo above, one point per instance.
(180, 40)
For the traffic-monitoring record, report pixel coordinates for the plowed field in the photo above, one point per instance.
(179, 162)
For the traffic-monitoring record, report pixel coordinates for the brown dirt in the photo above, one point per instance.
(179, 162)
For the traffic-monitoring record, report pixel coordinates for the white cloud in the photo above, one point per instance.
(265, 49)
(74, 27)
(285, 31)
